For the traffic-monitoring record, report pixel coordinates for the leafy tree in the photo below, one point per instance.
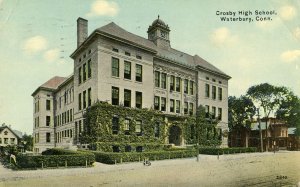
(29, 142)
(269, 98)
(241, 111)
(289, 110)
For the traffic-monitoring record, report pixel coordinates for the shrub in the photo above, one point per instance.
(56, 158)
(220, 151)
(111, 158)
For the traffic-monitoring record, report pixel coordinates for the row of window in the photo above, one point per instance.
(36, 122)
(68, 97)
(37, 106)
(213, 92)
(160, 103)
(160, 81)
(64, 117)
(127, 53)
(65, 133)
(84, 55)
(5, 141)
(84, 72)
(213, 114)
(214, 80)
(115, 95)
(36, 138)
(85, 99)
(115, 70)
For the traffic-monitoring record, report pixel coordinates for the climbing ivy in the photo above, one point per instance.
(98, 127)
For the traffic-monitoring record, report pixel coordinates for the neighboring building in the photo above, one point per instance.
(114, 65)
(277, 134)
(8, 136)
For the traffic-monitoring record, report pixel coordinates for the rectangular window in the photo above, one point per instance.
(115, 67)
(163, 101)
(139, 57)
(138, 127)
(127, 98)
(12, 141)
(89, 69)
(220, 94)
(48, 104)
(177, 106)
(206, 90)
(192, 87)
(219, 113)
(127, 53)
(79, 101)
(84, 72)
(172, 82)
(163, 80)
(115, 50)
(206, 111)
(156, 103)
(186, 86)
(47, 121)
(178, 84)
(5, 140)
(127, 70)
(213, 92)
(115, 96)
(213, 112)
(89, 97)
(138, 99)
(79, 75)
(156, 130)
(126, 126)
(186, 107)
(84, 99)
(115, 125)
(191, 108)
(48, 137)
(172, 105)
(138, 73)
(157, 78)
(71, 115)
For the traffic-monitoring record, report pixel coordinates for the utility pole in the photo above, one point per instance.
(260, 132)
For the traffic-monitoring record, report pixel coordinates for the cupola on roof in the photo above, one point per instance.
(158, 23)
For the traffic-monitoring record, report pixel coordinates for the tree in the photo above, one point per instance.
(241, 111)
(289, 111)
(269, 98)
(29, 142)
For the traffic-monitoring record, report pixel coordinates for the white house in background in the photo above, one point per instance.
(8, 136)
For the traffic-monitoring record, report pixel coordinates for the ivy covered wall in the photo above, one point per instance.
(100, 132)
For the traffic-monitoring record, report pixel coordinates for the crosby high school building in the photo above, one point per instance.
(121, 68)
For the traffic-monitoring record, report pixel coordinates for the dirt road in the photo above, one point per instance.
(255, 169)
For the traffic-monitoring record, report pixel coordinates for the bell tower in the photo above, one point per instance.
(159, 33)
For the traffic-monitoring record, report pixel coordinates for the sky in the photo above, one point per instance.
(37, 38)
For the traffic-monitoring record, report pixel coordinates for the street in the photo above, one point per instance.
(253, 169)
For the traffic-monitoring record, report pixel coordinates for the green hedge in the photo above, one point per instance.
(58, 151)
(112, 158)
(221, 151)
(56, 158)
(107, 146)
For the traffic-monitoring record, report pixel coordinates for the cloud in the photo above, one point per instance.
(287, 12)
(296, 33)
(103, 8)
(222, 36)
(51, 55)
(290, 56)
(35, 44)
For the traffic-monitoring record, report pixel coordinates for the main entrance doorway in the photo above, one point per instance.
(175, 135)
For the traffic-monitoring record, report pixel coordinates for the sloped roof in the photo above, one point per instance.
(14, 132)
(113, 29)
(54, 82)
(116, 31)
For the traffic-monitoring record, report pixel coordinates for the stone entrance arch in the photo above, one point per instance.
(175, 135)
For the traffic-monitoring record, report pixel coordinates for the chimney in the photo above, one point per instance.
(82, 30)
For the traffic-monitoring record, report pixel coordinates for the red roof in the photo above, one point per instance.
(54, 82)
